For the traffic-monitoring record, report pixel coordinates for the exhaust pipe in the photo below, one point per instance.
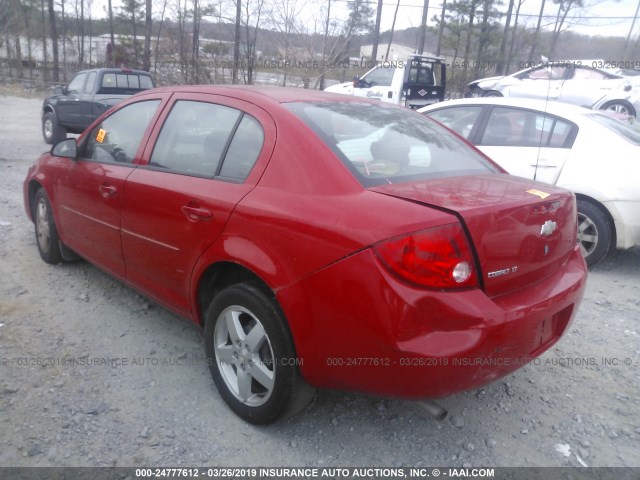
(432, 408)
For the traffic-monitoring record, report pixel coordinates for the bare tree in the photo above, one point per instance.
(157, 46)
(148, 25)
(54, 41)
(64, 42)
(393, 26)
(254, 11)
(513, 37)
(45, 58)
(633, 24)
(113, 40)
(500, 67)
(236, 45)
(195, 43)
(564, 7)
(376, 32)
(534, 42)
(441, 27)
(423, 27)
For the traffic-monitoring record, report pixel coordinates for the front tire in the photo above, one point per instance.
(52, 131)
(595, 232)
(492, 93)
(251, 355)
(45, 227)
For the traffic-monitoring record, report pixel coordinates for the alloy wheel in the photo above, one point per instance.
(244, 356)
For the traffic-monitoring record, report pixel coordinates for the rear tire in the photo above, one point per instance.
(251, 355)
(52, 131)
(620, 106)
(45, 227)
(595, 232)
(492, 93)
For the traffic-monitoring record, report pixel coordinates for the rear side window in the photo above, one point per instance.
(382, 144)
(516, 127)
(208, 140)
(244, 149)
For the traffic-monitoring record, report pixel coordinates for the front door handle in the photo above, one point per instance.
(196, 212)
(107, 190)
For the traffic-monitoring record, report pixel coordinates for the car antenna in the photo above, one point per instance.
(545, 61)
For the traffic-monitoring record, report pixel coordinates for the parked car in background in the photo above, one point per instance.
(591, 153)
(412, 82)
(570, 82)
(319, 239)
(87, 96)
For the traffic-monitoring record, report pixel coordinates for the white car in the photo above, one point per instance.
(570, 82)
(588, 152)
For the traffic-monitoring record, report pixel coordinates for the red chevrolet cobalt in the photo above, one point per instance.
(320, 241)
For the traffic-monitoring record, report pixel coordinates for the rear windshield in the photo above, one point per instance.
(125, 83)
(629, 129)
(381, 144)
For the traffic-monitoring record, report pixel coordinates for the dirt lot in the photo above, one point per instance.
(582, 398)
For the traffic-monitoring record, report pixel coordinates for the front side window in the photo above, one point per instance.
(77, 84)
(380, 77)
(459, 119)
(526, 128)
(91, 79)
(117, 137)
(382, 144)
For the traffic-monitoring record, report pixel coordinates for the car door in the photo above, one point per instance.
(587, 85)
(198, 166)
(526, 143)
(89, 190)
(376, 83)
(68, 108)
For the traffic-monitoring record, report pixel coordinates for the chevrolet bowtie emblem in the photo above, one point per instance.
(548, 228)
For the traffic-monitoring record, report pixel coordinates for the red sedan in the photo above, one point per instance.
(320, 240)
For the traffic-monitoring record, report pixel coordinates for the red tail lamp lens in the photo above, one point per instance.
(438, 257)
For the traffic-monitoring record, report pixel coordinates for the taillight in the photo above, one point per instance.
(439, 257)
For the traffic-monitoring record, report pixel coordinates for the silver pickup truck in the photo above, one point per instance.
(89, 94)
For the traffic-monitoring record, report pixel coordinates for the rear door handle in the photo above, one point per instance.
(195, 213)
(107, 190)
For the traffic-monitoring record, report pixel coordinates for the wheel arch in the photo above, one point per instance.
(220, 275)
(34, 186)
(49, 108)
(605, 211)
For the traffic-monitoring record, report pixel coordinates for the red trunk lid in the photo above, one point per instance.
(522, 231)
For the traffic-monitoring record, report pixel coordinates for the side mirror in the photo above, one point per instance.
(356, 81)
(65, 148)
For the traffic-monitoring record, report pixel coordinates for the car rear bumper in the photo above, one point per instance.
(357, 327)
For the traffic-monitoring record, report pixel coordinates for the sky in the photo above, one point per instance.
(603, 17)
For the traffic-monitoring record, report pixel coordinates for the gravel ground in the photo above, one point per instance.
(568, 409)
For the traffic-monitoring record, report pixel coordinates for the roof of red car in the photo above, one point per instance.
(260, 92)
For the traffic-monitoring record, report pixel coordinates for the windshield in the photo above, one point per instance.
(382, 145)
(629, 129)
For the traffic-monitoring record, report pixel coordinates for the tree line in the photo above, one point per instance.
(224, 41)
